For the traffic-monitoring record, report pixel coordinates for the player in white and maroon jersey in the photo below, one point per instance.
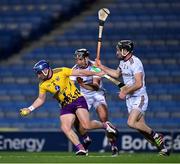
(132, 71)
(92, 89)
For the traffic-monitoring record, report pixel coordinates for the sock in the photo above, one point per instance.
(104, 125)
(85, 137)
(154, 134)
(79, 147)
(113, 143)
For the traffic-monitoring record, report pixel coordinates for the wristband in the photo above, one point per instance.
(31, 108)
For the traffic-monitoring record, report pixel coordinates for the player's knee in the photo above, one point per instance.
(86, 126)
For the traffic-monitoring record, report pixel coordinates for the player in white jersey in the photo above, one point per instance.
(132, 71)
(94, 93)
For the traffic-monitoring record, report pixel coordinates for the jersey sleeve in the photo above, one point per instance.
(41, 90)
(67, 71)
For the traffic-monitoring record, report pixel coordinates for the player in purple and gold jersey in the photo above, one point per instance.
(57, 82)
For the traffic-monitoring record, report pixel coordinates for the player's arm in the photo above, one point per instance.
(81, 72)
(130, 89)
(91, 86)
(116, 73)
(36, 104)
(137, 85)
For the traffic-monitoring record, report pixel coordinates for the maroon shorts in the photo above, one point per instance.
(71, 108)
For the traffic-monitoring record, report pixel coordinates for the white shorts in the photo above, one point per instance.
(137, 102)
(95, 100)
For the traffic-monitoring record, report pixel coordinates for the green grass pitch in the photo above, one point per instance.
(64, 157)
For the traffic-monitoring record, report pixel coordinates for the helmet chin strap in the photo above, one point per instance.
(122, 52)
(46, 74)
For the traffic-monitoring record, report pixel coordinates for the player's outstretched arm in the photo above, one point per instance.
(112, 72)
(37, 103)
(91, 86)
(81, 72)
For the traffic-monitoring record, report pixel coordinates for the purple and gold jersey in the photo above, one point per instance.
(60, 85)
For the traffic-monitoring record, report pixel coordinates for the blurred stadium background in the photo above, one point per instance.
(31, 30)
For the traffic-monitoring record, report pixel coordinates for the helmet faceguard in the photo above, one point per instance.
(125, 44)
(81, 53)
(40, 66)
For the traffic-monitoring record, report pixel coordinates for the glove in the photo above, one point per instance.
(24, 112)
(79, 80)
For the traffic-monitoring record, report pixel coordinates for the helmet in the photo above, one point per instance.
(40, 66)
(126, 44)
(81, 53)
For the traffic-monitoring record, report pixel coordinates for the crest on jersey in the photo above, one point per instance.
(57, 87)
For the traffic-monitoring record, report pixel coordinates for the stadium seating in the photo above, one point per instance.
(28, 20)
(152, 25)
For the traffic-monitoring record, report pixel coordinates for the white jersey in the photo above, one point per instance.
(88, 80)
(93, 98)
(129, 69)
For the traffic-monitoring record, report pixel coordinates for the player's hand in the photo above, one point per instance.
(24, 112)
(98, 63)
(79, 80)
(123, 93)
(100, 74)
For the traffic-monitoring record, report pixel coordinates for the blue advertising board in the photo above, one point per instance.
(33, 141)
(56, 141)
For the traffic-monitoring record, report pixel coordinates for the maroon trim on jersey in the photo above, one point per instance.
(141, 102)
(51, 74)
(131, 61)
(89, 64)
(128, 57)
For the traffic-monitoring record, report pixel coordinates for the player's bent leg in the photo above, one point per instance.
(79, 127)
(83, 116)
(103, 116)
(147, 137)
(137, 121)
(84, 119)
(84, 134)
(155, 138)
(133, 118)
(102, 112)
(67, 121)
